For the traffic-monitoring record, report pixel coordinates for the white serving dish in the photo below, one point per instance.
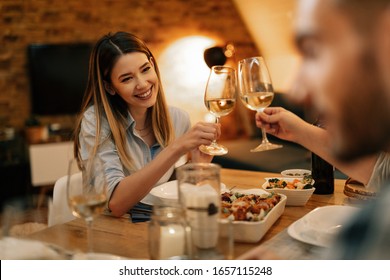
(295, 197)
(321, 225)
(167, 193)
(296, 173)
(252, 232)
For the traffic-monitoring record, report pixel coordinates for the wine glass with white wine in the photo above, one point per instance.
(219, 98)
(256, 92)
(86, 191)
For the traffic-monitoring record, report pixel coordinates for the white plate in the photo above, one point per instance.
(322, 224)
(297, 173)
(168, 192)
(252, 232)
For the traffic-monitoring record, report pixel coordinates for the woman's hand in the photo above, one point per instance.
(200, 157)
(202, 133)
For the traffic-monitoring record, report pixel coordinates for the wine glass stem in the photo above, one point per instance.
(89, 235)
(264, 134)
(264, 139)
(214, 143)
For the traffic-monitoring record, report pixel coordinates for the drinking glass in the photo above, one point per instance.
(256, 92)
(199, 188)
(219, 98)
(86, 191)
(169, 235)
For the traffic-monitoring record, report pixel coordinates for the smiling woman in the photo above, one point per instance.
(126, 122)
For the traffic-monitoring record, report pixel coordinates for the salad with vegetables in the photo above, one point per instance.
(293, 184)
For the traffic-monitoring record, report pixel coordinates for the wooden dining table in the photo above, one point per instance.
(119, 236)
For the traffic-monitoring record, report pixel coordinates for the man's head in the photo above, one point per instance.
(344, 69)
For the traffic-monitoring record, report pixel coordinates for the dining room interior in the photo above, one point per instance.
(35, 143)
(178, 32)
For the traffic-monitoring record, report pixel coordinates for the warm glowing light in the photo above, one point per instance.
(184, 74)
(209, 118)
(229, 50)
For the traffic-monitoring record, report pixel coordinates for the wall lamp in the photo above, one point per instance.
(218, 55)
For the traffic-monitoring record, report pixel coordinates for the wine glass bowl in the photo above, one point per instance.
(220, 107)
(219, 99)
(87, 206)
(257, 101)
(256, 92)
(86, 191)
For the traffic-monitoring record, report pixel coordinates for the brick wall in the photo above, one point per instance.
(56, 21)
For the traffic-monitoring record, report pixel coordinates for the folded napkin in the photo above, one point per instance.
(141, 212)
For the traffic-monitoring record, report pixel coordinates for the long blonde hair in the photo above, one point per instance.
(103, 57)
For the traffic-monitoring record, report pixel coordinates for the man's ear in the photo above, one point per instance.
(109, 88)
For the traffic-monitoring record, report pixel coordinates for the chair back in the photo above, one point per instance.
(59, 211)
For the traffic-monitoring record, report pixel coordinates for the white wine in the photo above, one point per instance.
(86, 207)
(220, 106)
(257, 100)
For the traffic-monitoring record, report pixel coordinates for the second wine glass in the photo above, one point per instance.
(256, 92)
(219, 98)
(86, 191)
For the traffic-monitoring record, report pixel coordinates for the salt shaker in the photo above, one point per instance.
(168, 234)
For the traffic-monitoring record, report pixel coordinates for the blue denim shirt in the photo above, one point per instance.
(140, 152)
